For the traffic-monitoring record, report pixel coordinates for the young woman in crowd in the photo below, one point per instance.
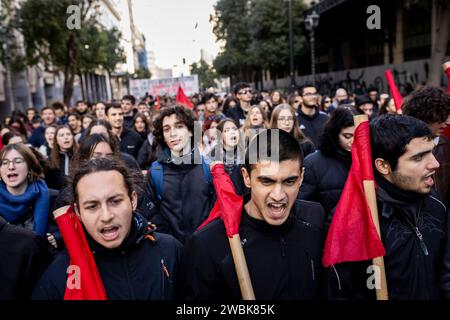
(64, 147)
(327, 169)
(46, 148)
(283, 117)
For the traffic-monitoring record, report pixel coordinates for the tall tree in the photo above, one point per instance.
(205, 73)
(439, 50)
(49, 38)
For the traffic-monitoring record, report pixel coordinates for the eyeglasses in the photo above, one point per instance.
(310, 94)
(245, 91)
(283, 119)
(17, 161)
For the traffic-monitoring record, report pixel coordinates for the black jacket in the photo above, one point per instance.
(312, 126)
(23, 259)
(186, 200)
(130, 142)
(284, 261)
(415, 234)
(143, 268)
(324, 181)
(237, 114)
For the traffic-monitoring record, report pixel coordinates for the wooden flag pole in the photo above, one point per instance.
(241, 268)
(240, 263)
(369, 191)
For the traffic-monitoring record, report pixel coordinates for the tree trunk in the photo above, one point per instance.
(441, 42)
(70, 70)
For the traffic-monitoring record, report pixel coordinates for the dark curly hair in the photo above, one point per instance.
(429, 104)
(183, 114)
(329, 139)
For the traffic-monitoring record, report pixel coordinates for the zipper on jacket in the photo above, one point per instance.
(164, 274)
(416, 230)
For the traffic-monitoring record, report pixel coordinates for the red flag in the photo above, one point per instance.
(182, 99)
(394, 91)
(158, 103)
(447, 129)
(228, 205)
(90, 285)
(352, 235)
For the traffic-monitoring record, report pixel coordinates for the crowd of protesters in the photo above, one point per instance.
(139, 178)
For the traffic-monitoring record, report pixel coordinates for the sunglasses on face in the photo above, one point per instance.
(245, 91)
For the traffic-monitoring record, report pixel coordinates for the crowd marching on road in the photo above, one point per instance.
(140, 186)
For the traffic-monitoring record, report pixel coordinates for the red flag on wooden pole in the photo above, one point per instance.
(354, 233)
(228, 207)
(394, 91)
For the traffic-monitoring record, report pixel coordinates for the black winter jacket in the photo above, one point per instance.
(186, 200)
(324, 181)
(130, 142)
(143, 268)
(284, 261)
(415, 234)
(312, 126)
(23, 259)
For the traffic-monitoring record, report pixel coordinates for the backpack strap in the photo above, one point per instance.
(206, 162)
(156, 171)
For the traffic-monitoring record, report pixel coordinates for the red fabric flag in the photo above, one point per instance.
(90, 285)
(182, 99)
(352, 235)
(228, 205)
(398, 100)
(447, 129)
(158, 103)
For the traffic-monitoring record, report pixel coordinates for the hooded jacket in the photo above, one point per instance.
(142, 268)
(284, 261)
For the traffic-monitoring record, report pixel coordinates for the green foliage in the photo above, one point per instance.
(205, 73)
(256, 34)
(49, 40)
(142, 74)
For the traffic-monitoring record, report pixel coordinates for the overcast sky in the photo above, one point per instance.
(176, 29)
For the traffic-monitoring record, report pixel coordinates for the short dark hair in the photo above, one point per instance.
(306, 85)
(183, 114)
(80, 101)
(208, 96)
(389, 135)
(112, 106)
(58, 105)
(100, 165)
(239, 86)
(129, 97)
(287, 146)
(47, 108)
(429, 104)
(74, 114)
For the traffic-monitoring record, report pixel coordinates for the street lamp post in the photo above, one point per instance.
(291, 47)
(311, 22)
